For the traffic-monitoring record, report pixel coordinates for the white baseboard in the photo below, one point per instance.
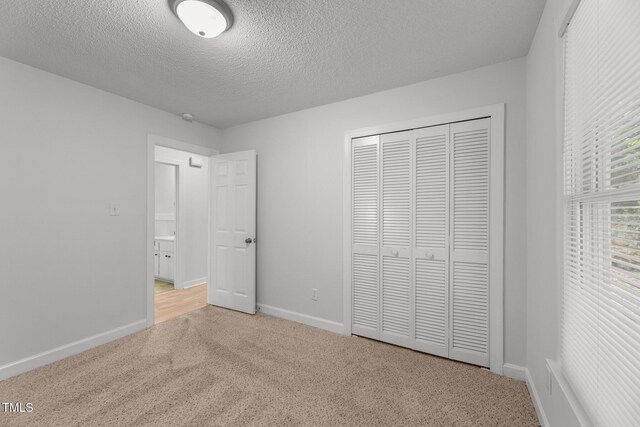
(165, 217)
(537, 403)
(516, 372)
(561, 386)
(196, 282)
(59, 353)
(305, 319)
(521, 373)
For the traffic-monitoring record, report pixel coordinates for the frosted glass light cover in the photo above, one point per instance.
(201, 18)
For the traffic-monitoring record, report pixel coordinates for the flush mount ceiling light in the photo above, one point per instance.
(204, 18)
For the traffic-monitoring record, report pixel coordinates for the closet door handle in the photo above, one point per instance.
(430, 255)
(395, 252)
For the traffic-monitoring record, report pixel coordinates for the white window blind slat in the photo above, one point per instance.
(600, 340)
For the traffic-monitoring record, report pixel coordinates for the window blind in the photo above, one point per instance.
(600, 338)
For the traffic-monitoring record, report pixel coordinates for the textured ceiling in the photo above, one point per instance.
(279, 56)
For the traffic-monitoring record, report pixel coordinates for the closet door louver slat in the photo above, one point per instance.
(365, 231)
(470, 307)
(396, 182)
(469, 207)
(396, 237)
(431, 251)
(365, 290)
(395, 295)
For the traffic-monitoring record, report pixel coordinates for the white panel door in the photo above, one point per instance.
(469, 205)
(364, 236)
(232, 264)
(431, 250)
(396, 290)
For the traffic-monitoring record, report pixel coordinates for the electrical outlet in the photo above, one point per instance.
(314, 294)
(114, 209)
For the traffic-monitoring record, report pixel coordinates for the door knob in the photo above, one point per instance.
(248, 240)
(430, 255)
(395, 253)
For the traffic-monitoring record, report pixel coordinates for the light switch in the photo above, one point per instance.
(114, 209)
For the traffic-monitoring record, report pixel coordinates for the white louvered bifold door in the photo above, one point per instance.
(431, 250)
(396, 214)
(365, 231)
(420, 239)
(469, 207)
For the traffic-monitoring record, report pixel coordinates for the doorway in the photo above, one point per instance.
(178, 221)
(164, 254)
(171, 297)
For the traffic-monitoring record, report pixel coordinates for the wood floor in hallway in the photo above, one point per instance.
(175, 303)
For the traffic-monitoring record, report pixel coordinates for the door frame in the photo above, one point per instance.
(496, 219)
(161, 141)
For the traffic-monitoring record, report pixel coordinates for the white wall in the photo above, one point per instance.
(196, 213)
(165, 198)
(300, 188)
(165, 181)
(68, 270)
(544, 181)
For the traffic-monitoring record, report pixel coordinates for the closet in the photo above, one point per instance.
(420, 219)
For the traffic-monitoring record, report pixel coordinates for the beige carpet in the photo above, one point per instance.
(218, 367)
